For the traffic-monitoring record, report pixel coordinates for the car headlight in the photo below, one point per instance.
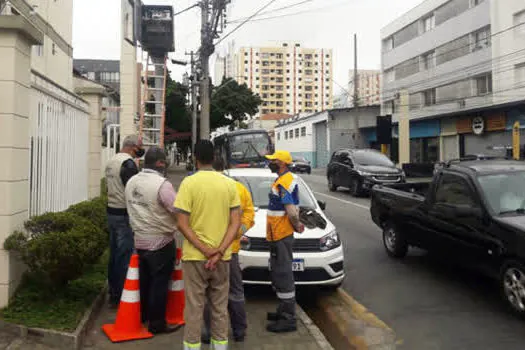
(364, 173)
(330, 241)
(245, 243)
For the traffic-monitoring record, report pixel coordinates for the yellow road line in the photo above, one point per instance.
(361, 312)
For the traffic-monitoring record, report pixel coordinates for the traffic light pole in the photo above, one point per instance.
(205, 52)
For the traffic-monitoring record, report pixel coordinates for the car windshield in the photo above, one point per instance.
(372, 158)
(260, 187)
(504, 193)
(249, 146)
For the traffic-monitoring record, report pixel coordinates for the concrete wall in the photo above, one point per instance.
(508, 81)
(16, 37)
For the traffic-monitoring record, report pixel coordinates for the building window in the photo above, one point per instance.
(519, 73)
(430, 97)
(290, 134)
(476, 2)
(428, 60)
(303, 131)
(484, 85)
(278, 136)
(429, 23)
(297, 133)
(482, 39)
(286, 135)
(38, 50)
(519, 23)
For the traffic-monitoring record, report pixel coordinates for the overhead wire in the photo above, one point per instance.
(237, 20)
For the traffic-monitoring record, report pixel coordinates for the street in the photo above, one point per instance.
(429, 304)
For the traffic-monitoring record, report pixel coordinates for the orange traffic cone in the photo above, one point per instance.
(175, 307)
(128, 325)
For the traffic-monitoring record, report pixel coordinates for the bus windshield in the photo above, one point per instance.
(249, 147)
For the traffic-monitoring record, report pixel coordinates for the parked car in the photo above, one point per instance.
(360, 169)
(318, 253)
(301, 165)
(472, 212)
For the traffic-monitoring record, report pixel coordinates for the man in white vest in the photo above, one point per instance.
(118, 172)
(149, 198)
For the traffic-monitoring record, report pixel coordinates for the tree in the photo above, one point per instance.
(231, 103)
(178, 113)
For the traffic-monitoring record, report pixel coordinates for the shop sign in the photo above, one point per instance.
(464, 126)
(495, 122)
(478, 125)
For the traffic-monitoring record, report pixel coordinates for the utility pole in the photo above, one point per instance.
(357, 140)
(212, 24)
(194, 105)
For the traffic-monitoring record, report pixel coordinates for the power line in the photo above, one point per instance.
(245, 21)
(299, 13)
(272, 11)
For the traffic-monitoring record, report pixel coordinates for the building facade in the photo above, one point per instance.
(315, 136)
(50, 136)
(368, 87)
(461, 63)
(289, 78)
(106, 72)
(226, 64)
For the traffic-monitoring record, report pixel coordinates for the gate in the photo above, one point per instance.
(112, 144)
(321, 145)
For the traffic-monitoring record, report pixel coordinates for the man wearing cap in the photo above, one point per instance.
(119, 170)
(149, 199)
(281, 223)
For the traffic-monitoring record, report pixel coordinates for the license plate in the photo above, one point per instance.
(297, 265)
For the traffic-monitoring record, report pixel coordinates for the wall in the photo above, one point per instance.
(509, 85)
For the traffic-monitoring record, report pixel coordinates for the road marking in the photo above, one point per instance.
(342, 200)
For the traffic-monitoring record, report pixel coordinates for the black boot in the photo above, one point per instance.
(282, 326)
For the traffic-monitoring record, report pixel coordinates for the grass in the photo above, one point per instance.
(37, 305)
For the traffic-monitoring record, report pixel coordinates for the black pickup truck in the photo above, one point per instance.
(472, 212)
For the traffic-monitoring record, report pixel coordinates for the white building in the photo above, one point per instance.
(226, 64)
(368, 87)
(458, 60)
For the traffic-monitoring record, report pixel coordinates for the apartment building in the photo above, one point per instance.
(368, 87)
(105, 72)
(289, 78)
(226, 64)
(462, 63)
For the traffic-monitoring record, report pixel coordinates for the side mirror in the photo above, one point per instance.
(322, 205)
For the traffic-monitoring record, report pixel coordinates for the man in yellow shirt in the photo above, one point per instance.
(208, 215)
(236, 297)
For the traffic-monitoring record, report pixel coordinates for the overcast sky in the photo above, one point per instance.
(326, 24)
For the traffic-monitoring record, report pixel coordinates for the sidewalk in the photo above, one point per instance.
(258, 303)
(257, 337)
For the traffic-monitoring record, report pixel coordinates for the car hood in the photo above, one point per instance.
(379, 169)
(259, 229)
(516, 222)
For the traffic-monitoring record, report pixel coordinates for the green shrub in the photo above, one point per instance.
(94, 210)
(58, 245)
(103, 188)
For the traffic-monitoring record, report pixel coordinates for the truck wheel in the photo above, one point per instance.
(331, 185)
(395, 244)
(355, 187)
(512, 281)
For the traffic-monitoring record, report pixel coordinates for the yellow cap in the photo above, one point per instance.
(283, 156)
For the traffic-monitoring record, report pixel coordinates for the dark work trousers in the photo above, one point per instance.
(120, 249)
(236, 303)
(281, 258)
(155, 269)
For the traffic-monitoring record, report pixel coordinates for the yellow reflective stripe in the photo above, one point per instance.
(191, 346)
(219, 342)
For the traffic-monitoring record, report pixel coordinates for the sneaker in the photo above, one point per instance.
(205, 339)
(282, 326)
(239, 338)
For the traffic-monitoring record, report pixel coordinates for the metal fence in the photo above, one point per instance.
(59, 145)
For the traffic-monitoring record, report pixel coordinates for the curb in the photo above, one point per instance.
(319, 337)
(351, 325)
(58, 339)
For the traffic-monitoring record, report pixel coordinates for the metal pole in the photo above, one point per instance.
(205, 65)
(357, 141)
(193, 105)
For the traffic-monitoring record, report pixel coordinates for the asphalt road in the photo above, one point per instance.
(428, 302)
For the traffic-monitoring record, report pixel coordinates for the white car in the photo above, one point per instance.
(318, 254)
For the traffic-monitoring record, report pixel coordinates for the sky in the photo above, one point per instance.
(328, 24)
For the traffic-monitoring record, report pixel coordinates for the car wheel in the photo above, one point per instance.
(355, 189)
(331, 185)
(395, 243)
(309, 171)
(512, 281)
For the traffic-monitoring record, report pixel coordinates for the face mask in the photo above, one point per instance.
(140, 152)
(273, 167)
